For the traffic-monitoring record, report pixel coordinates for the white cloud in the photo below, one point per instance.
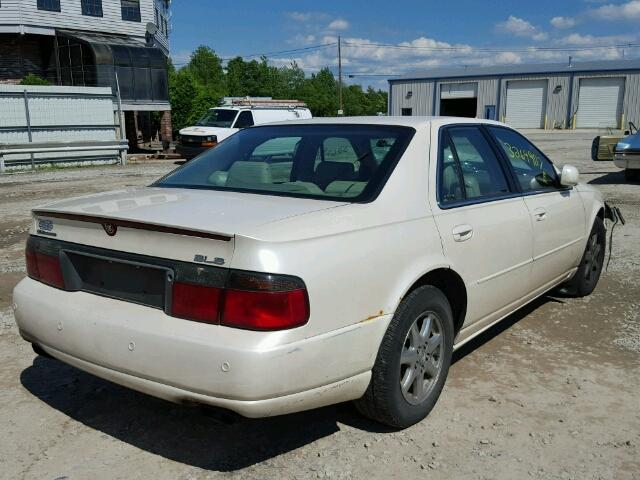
(302, 39)
(299, 16)
(625, 11)
(580, 40)
(305, 17)
(507, 58)
(591, 40)
(521, 28)
(563, 22)
(338, 24)
(181, 57)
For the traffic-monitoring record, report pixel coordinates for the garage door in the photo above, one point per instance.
(526, 103)
(458, 90)
(600, 102)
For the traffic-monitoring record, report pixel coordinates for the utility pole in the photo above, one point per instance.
(340, 106)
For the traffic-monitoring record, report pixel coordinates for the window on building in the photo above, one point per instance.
(166, 27)
(130, 10)
(157, 17)
(92, 8)
(49, 5)
(407, 112)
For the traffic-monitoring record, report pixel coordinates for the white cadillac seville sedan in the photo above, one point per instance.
(311, 262)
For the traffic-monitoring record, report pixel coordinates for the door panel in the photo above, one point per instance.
(558, 233)
(494, 259)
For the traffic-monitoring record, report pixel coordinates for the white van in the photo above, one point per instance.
(221, 122)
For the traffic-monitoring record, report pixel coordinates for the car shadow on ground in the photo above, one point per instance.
(203, 438)
(611, 178)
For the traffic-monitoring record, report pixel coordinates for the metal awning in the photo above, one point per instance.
(94, 59)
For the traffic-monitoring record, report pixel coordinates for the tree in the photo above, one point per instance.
(320, 93)
(293, 79)
(182, 93)
(32, 79)
(376, 101)
(205, 68)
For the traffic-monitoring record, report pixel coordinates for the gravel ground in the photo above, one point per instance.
(552, 392)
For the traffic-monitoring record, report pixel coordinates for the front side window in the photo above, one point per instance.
(218, 117)
(91, 7)
(49, 5)
(245, 119)
(469, 169)
(130, 10)
(330, 162)
(534, 171)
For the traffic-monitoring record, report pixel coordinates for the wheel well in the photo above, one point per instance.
(453, 288)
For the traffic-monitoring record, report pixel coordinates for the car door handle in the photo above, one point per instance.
(540, 214)
(462, 233)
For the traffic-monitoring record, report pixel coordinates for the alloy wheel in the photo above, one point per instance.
(421, 358)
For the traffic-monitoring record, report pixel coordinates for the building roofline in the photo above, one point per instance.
(518, 70)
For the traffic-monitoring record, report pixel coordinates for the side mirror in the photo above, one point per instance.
(569, 176)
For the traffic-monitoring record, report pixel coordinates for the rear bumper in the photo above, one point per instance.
(189, 152)
(252, 373)
(626, 160)
(347, 389)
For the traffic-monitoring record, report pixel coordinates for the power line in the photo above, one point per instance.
(294, 50)
(472, 49)
(273, 54)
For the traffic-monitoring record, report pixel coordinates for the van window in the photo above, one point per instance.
(245, 119)
(218, 117)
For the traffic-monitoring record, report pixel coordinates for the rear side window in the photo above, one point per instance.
(469, 168)
(534, 171)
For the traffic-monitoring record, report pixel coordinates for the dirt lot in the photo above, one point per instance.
(552, 392)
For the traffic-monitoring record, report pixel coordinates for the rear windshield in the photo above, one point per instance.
(340, 162)
(217, 118)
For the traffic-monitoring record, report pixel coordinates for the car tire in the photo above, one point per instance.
(410, 349)
(586, 278)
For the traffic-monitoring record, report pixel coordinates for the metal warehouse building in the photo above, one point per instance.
(578, 95)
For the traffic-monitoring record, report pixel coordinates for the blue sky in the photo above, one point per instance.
(395, 37)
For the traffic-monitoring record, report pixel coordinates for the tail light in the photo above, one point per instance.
(44, 267)
(264, 302)
(196, 302)
(253, 301)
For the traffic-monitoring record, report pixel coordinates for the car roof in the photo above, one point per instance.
(413, 121)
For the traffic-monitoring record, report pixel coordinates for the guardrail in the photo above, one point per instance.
(121, 146)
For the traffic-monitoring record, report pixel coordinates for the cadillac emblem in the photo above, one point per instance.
(110, 228)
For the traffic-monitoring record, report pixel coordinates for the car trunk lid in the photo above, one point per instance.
(181, 224)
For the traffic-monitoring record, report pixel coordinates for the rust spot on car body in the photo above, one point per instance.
(373, 317)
